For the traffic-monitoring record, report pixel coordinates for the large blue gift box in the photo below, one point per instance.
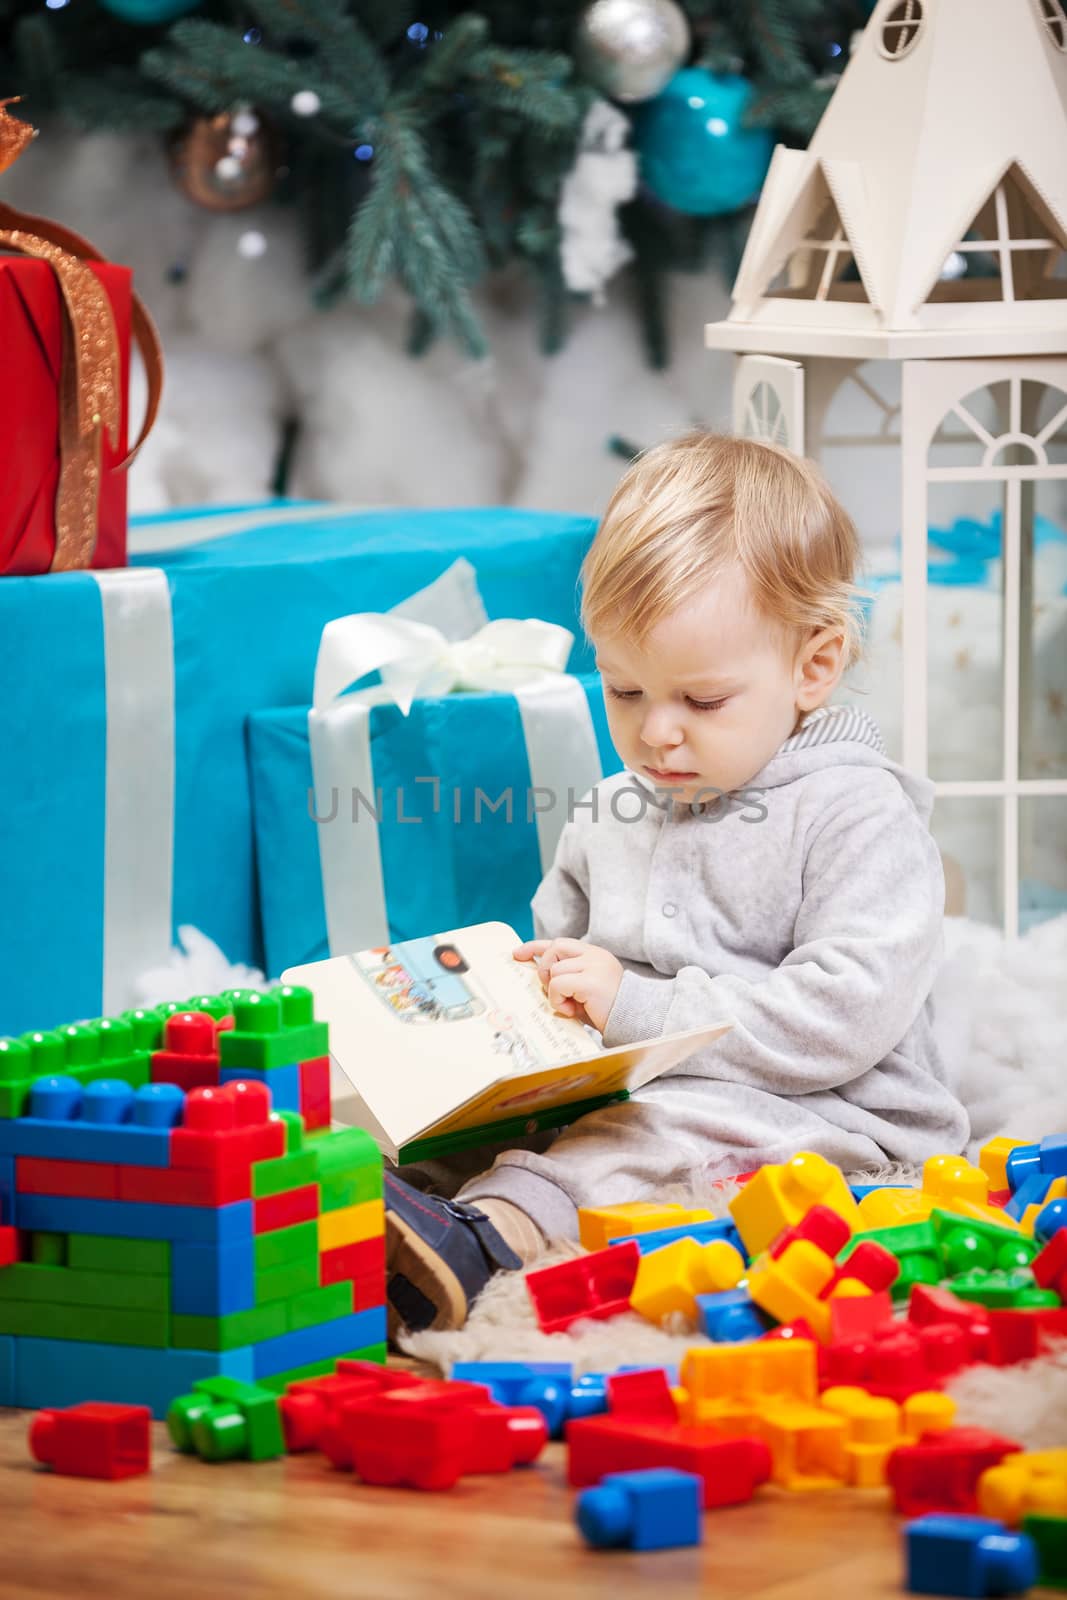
(463, 852)
(125, 809)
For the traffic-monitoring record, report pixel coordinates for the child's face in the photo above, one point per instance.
(711, 696)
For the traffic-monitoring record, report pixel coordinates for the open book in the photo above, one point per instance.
(447, 1042)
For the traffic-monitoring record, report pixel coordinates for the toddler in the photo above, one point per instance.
(760, 858)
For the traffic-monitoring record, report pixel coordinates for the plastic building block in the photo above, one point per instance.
(777, 1197)
(429, 1435)
(1049, 1266)
(96, 1439)
(655, 1509)
(599, 1225)
(874, 1426)
(548, 1385)
(319, 1343)
(1030, 1482)
(1020, 1163)
(198, 1224)
(99, 1253)
(728, 1388)
(91, 1179)
(1033, 1191)
(9, 1246)
(792, 1285)
(1051, 1219)
(891, 1207)
(66, 1286)
(992, 1159)
(953, 1178)
(287, 1209)
(315, 1092)
(1054, 1154)
(930, 1305)
(1049, 1537)
(224, 1420)
(702, 1232)
(730, 1470)
(48, 1249)
(273, 1029)
(858, 1316)
(351, 1224)
(106, 1121)
(807, 1445)
(730, 1317)
(959, 1555)
(597, 1286)
(941, 1471)
(669, 1280)
(1021, 1333)
(209, 1280)
(870, 1266)
(821, 1226)
(645, 1395)
(999, 1288)
(189, 1057)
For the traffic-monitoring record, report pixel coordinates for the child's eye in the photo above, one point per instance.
(697, 705)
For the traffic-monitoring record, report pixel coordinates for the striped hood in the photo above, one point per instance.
(840, 736)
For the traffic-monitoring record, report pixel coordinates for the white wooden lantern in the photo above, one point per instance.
(900, 315)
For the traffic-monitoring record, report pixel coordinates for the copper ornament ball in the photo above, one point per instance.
(222, 169)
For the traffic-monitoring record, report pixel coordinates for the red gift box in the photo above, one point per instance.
(32, 351)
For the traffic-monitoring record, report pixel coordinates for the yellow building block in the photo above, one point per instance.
(725, 1386)
(970, 1208)
(953, 1178)
(598, 1225)
(993, 1156)
(889, 1208)
(874, 1427)
(351, 1224)
(1023, 1484)
(779, 1196)
(808, 1445)
(669, 1279)
(1057, 1191)
(790, 1286)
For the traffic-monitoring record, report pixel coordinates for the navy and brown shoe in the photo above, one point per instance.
(440, 1254)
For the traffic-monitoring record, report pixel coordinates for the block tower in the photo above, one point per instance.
(174, 1206)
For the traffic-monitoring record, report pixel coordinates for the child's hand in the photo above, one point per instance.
(580, 980)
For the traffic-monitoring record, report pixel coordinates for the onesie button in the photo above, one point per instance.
(669, 908)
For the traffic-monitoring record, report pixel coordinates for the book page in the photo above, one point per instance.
(449, 1031)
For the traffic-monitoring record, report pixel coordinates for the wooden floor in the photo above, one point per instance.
(294, 1527)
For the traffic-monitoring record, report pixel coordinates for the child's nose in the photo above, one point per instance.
(661, 729)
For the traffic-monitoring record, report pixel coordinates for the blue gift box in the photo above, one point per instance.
(123, 717)
(468, 860)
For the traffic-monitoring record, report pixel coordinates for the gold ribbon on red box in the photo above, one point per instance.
(90, 376)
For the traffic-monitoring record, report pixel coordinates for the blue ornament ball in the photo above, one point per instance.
(149, 12)
(694, 153)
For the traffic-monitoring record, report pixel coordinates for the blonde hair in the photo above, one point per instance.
(687, 509)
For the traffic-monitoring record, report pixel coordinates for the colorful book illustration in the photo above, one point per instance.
(448, 1041)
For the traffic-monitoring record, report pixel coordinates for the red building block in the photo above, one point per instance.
(227, 1127)
(870, 1264)
(93, 1440)
(932, 1305)
(730, 1470)
(315, 1092)
(858, 1316)
(77, 1180)
(822, 1226)
(184, 1186)
(353, 1260)
(1019, 1334)
(283, 1210)
(427, 1437)
(644, 1396)
(1049, 1266)
(9, 1246)
(190, 1056)
(941, 1472)
(596, 1285)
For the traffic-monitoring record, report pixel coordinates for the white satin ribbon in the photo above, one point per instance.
(139, 803)
(435, 642)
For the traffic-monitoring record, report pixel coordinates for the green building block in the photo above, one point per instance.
(294, 1131)
(16, 1076)
(915, 1246)
(96, 1324)
(231, 1331)
(147, 1028)
(1050, 1538)
(225, 1419)
(350, 1168)
(97, 1252)
(280, 1173)
(282, 1246)
(319, 1305)
(67, 1286)
(48, 1249)
(214, 1005)
(273, 1029)
(316, 1369)
(967, 1243)
(291, 1278)
(1013, 1289)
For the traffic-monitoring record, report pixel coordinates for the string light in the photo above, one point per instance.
(305, 103)
(364, 152)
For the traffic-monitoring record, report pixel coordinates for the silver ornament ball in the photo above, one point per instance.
(631, 49)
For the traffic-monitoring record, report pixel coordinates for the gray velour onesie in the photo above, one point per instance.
(806, 907)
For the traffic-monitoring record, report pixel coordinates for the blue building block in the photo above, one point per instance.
(973, 1556)
(107, 1121)
(654, 1509)
(7, 1369)
(283, 1083)
(7, 1191)
(129, 1219)
(210, 1280)
(1030, 1192)
(861, 1190)
(1020, 1163)
(63, 1372)
(1050, 1219)
(1054, 1155)
(319, 1343)
(702, 1232)
(730, 1317)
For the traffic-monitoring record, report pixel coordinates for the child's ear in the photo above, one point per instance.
(819, 667)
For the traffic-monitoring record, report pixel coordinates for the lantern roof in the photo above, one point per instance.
(928, 215)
